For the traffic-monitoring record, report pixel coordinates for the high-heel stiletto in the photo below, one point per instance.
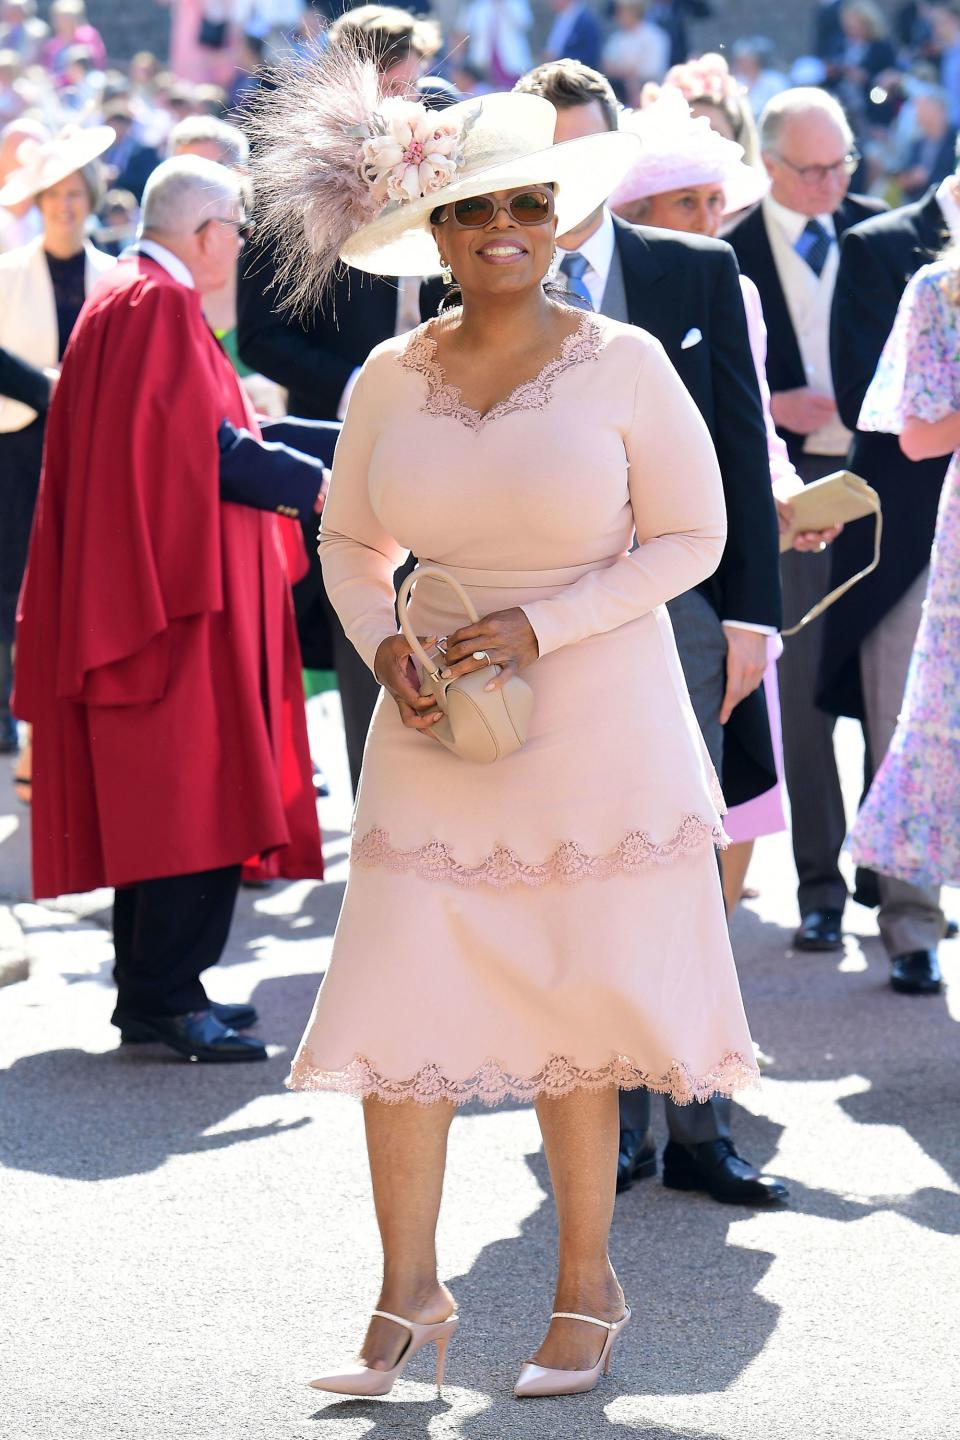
(360, 1379)
(541, 1380)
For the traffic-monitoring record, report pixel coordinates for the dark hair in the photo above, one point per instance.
(385, 35)
(566, 83)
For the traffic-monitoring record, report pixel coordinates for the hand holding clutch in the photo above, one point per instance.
(393, 666)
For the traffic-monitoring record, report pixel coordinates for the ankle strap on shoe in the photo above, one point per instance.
(590, 1319)
(397, 1319)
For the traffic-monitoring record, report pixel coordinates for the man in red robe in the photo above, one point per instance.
(157, 655)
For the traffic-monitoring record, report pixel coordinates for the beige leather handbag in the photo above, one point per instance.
(478, 725)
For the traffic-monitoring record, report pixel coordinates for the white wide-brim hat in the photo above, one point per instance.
(508, 142)
(46, 163)
(678, 150)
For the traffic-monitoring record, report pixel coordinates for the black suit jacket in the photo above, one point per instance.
(676, 285)
(24, 382)
(877, 258)
(312, 359)
(749, 238)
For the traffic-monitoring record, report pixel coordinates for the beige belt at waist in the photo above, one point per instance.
(521, 579)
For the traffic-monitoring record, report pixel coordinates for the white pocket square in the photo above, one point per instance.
(692, 337)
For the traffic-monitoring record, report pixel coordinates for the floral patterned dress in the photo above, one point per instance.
(909, 825)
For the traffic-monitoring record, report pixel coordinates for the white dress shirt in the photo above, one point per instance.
(173, 265)
(598, 250)
(809, 297)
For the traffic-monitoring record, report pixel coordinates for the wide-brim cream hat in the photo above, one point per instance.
(680, 150)
(345, 175)
(508, 142)
(46, 163)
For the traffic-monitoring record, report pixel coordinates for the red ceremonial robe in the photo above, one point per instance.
(157, 655)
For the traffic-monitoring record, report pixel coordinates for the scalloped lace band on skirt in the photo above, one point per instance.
(491, 1084)
(568, 864)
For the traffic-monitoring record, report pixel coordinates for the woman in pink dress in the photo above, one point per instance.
(688, 178)
(550, 927)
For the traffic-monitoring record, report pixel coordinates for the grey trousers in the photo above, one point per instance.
(910, 917)
(818, 822)
(702, 646)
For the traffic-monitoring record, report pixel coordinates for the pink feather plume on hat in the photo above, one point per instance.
(330, 154)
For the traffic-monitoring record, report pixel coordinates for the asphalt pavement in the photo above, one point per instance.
(183, 1246)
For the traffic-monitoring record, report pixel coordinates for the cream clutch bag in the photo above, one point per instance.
(478, 725)
(837, 499)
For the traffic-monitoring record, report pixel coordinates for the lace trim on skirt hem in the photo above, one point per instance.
(491, 1084)
(568, 864)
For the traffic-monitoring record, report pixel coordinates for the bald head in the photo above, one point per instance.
(184, 191)
(194, 208)
(808, 150)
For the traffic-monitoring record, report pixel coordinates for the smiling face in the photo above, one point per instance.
(65, 208)
(503, 256)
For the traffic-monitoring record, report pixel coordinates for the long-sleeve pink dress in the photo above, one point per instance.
(553, 920)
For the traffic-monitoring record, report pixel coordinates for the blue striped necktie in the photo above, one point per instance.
(572, 266)
(814, 245)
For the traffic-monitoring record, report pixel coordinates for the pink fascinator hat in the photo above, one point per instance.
(344, 175)
(678, 150)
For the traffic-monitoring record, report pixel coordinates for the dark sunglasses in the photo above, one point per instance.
(244, 228)
(526, 207)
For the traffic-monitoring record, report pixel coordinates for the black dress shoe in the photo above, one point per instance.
(637, 1159)
(715, 1167)
(917, 973)
(198, 1036)
(820, 930)
(235, 1017)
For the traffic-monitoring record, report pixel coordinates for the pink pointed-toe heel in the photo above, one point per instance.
(360, 1379)
(541, 1380)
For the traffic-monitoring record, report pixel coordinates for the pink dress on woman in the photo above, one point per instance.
(554, 920)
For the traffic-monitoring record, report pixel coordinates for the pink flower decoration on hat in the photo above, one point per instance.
(414, 154)
(706, 78)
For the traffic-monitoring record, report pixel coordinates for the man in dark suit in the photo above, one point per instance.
(575, 33)
(869, 634)
(317, 360)
(788, 247)
(684, 290)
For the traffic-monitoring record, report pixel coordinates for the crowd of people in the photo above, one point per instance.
(482, 280)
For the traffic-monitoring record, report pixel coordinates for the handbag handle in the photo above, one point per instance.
(434, 573)
(817, 610)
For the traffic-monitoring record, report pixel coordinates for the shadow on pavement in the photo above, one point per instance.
(703, 1314)
(77, 1129)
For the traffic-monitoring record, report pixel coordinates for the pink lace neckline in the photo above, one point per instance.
(420, 356)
